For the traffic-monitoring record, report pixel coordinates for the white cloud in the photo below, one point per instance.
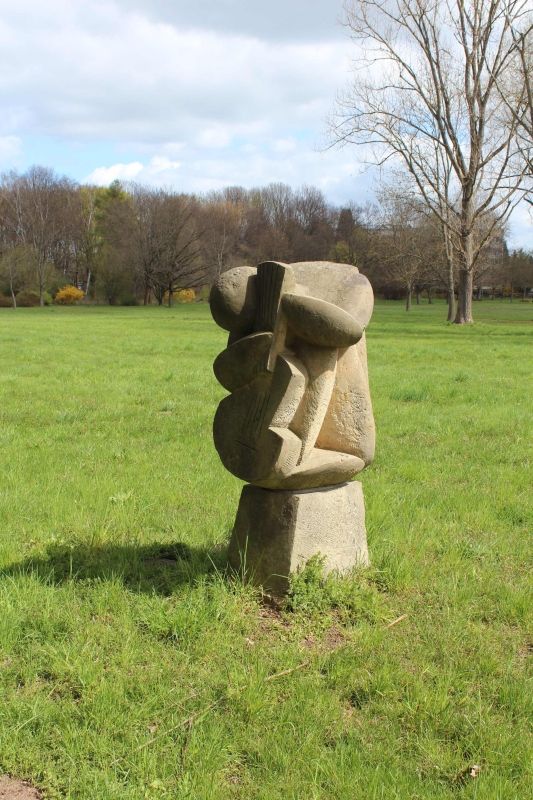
(163, 164)
(103, 176)
(10, 150)
(159, 170)
(101, 71)
(333, 171)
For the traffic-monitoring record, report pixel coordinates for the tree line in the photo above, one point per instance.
(129, 244)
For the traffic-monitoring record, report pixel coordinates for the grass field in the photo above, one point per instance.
(133, 668)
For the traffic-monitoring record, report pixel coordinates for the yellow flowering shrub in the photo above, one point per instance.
(181, 296)
(185, 295)
(69, 295)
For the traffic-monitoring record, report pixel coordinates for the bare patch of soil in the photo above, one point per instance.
(334, 639)
(13, 789)
(271, 606)
(271, 617)
(526, 650)
(328, 642)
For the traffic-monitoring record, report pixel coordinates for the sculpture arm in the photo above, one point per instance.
(320, 323)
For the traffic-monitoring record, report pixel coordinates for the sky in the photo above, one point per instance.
(190, 94)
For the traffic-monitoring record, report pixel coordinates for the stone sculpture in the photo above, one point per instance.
(297, 425)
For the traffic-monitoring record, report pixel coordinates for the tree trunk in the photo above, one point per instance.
(451, 289)
(466, 267)
(430, 299)
(41, 279)
(408, 298)
(40, 274)
(88, 284)
(451, 305)
(511, 296)
(417, 291)
(13, 297)
(170, 296)
(464, 298)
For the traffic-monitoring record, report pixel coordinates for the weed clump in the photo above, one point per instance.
(352, 597)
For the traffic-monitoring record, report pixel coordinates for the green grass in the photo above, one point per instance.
(133, 668)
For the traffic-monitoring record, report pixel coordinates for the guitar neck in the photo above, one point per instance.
(273, 279)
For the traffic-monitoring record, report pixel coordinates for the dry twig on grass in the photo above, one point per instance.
(396, 621)
(286, 671)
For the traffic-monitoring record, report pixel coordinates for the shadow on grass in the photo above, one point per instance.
(158, 567)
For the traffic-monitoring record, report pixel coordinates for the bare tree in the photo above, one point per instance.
(117, 251)
(167, 242)
(223, 226)
(518, 96)
(34, 212)
(311, 233)
(426, 95)
(401, 241)
(525, 127)
(149, 243)
(88, 241)
(519, 271)
(16, 263)
(66, 246)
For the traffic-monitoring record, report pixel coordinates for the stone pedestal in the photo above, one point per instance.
(276, 532)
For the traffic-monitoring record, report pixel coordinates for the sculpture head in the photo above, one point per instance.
(233, 300)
